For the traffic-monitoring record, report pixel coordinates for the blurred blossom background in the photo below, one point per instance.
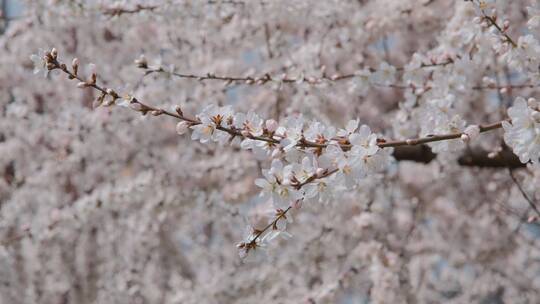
(103, 205)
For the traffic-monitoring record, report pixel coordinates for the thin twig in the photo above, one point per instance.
(523, 193)
(267, 78)
(117, 11)
(267, 39)
(493, 22)
(312, 80)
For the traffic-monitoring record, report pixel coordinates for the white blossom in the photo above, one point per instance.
(361, 82)
(364, 143)
(318, 132)
(292, 132)
(351, 126)
(384, 75)
(212, 117)
(276, 185)
(534, 16)
(182, 127)
(249, 122)
(40, 62)
(414, 73)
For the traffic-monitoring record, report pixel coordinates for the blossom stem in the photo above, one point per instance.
(282, 214)
(271, 224)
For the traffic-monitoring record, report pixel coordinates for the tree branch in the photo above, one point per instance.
(525, 195)
(420, 154)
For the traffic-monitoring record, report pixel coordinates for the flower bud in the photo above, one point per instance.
(54, 53)
(112, 93)
(141, 62)
(536, 116)
(532, 103)
(506, 24)
(75, 66)
(182, 127)
(472, 132)
(271, 125)
(178, 110)
(136, 106)
(320, 172)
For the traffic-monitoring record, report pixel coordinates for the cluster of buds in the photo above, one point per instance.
(45, 61)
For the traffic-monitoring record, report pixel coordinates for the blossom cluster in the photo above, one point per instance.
(522, 134)
(311, 162)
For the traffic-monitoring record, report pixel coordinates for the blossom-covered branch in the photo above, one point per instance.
(224, 123)
(321, 159)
